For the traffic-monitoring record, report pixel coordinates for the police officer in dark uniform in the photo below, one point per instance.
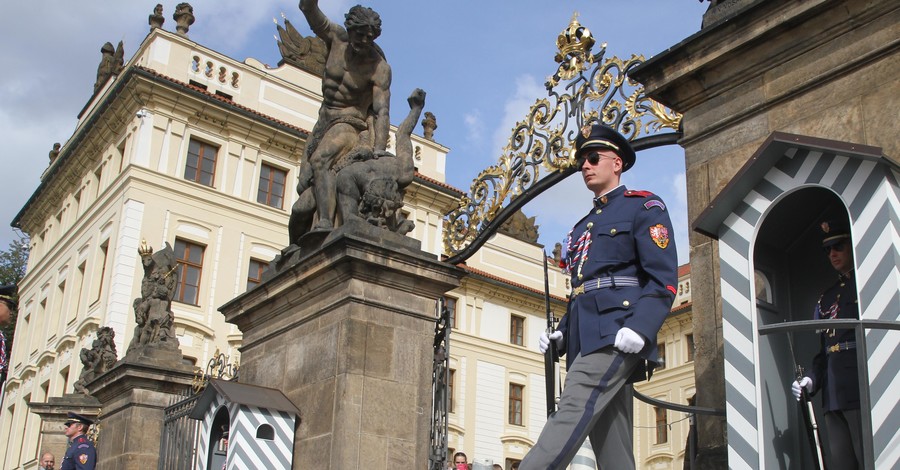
(624, 265)
(81, 454)
(835, 371)
(8, 306)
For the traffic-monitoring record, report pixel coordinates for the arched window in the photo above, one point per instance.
(265, 431)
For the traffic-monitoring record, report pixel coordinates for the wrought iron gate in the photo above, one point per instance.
(178, 441)
(437, 458)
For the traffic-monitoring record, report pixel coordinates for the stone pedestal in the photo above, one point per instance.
(54, 412)
(134, 395)
(346, 333)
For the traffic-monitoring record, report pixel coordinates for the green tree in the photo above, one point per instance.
(13, 262)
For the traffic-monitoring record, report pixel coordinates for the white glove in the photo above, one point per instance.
(544, 341)
(628, 341)
(805, 382)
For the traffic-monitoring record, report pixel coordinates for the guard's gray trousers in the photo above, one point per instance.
(595, 403)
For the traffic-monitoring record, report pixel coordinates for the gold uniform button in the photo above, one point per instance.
(579, 277)
(589, 225)
(626, 303)
(599, 211)
(613, 231)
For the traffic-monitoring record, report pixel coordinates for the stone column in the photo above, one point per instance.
(346, 333)
(54, 412)
(134, 395)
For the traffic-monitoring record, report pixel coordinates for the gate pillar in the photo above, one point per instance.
(346, 334)
(133, 396)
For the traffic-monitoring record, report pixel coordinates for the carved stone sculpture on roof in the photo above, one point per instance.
(54, 152)
(156, 18)
(304, 52)
(97, 360)
(429, 125)
(520, 227)
(154, 319)
(112, 61)
(346, 171)
(184, 18)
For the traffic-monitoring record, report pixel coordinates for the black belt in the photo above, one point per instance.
(605, 282)
(838, 347)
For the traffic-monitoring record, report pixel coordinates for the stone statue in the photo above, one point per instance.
(184, 18)
(372, 187)
(154, 319)
(54, 152)
(156, 18)
(520, 227)
(111, 63)
(97, 360)
(557, 252)
(356, 98)
(429, 124)
(305, 53)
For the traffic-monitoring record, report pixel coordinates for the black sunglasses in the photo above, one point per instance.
(594, 157)
(839, 247)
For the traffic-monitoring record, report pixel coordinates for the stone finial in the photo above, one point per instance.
(156, 18)
(557, 252)
(184, 18)
(429, 124)
(54, 152)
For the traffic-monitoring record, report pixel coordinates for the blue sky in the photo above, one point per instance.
(482, 63)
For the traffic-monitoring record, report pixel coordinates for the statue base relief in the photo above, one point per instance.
(346, 333)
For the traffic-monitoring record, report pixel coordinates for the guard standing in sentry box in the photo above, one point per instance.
(624, 269)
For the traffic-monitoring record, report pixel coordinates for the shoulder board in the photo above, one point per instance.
(637, 193)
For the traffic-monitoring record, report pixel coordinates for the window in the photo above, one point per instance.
(515, 404)
(190, 263)
(689, 340)
(662, 425)
(661, 363)
(451, 384)
(512, 463)
(517, 330)
(271, 186)
(450, 303)
(201, 163)
(254, 272)
(265, 431)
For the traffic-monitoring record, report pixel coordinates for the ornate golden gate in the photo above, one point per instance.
(584, 89)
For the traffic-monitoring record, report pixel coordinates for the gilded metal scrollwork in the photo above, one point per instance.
(584, 89)
(218, 367)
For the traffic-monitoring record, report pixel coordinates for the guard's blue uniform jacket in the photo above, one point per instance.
(627, 235)
(81, 455)
(835, 371)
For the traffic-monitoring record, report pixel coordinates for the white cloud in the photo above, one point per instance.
(474, 125)
(527, 90)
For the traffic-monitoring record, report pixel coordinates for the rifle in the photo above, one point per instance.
(551, 358)
(809, 416)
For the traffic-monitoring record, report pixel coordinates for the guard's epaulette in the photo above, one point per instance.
(637, 193)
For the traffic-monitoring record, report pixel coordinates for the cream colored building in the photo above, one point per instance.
(660, 436)
(190, 147)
